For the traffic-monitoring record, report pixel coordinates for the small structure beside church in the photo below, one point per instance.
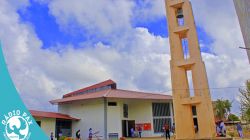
(112, 112)
(54, 122)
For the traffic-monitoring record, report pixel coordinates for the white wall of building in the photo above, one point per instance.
(139, 110)
(114, 123)
(91, 114)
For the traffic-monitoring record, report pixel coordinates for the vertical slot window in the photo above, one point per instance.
(196, 126)
(190, 84)
(180, 17)
(125, 110)
(185, 49)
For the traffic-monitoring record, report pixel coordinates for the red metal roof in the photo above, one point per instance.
(113, 93)
(43, 114)
(102, 84)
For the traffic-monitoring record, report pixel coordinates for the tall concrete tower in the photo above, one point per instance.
(243, 11)
(188, 75)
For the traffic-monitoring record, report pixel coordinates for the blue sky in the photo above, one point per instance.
(47, 29)
(61, 46)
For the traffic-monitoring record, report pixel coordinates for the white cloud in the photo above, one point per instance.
(229, 67)
(42, 75)
(101, 17)
(132, 57)
(149, 10)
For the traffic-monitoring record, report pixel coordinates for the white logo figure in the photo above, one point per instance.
(17, 125)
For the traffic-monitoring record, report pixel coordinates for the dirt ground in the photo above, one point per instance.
(158, 138)
(161, 138)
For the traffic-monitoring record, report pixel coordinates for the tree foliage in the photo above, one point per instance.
(245, 101)
(233, 117)
(222, 108)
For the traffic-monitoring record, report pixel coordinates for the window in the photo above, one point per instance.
(38, 123)
(194, 110)
(159, 124)
(125, 110)
(185, 49)
(63, 126)
(180, 17)
(161, 109)
(112, 104)
(190, 83)
(161, 116)
(196, 125)
(95, 89)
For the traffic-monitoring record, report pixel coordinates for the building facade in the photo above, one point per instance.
(111, 113)
(52, 122)
(243, 11)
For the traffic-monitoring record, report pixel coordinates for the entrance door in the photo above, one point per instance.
(126, 127)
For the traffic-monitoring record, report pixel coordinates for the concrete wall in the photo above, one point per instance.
(48, 125)
(141, 112)
(114, 118)
(138, 110)
(91, 114)
(243, 11)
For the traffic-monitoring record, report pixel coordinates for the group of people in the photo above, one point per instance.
(78, 134)
(221, 129)
(166, 129)
(52, 135)
(132, 131)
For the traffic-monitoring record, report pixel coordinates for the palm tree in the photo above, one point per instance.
(222, 108)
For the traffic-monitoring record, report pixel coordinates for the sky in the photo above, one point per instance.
(53, 47)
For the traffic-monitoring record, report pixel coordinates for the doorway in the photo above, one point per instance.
(126, 127)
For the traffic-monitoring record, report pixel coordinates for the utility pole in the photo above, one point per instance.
(186, 63)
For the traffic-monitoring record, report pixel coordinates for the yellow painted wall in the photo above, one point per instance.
(141, 112)
(48, 125)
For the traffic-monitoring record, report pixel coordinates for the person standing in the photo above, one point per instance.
(239, 130)
(223, 129)
(167, 131)
(173, 128)
(78, 135)
(60, 134)
(218, 130)
(51, 136)
(90, 133)
(140, 131)
(132, 132)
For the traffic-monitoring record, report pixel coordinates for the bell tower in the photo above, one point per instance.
(193, 111)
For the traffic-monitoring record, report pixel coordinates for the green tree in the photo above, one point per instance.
(222, 108)
(233, 117)
(245, 101)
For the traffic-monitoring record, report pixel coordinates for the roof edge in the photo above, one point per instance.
(46, 115)
(94, 86)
